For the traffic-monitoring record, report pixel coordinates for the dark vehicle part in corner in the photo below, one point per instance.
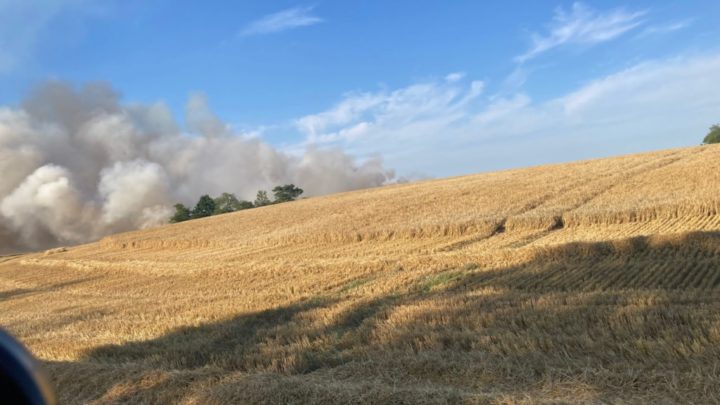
(22, 380)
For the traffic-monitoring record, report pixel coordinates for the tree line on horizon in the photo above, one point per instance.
(228, 202)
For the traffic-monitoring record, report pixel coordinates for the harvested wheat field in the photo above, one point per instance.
(586, 282)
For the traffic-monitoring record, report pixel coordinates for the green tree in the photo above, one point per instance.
(182, 213)
(713, 136)
(262, 199)
(204, 207)
(227, 202)
(245, 205)
(286, 193)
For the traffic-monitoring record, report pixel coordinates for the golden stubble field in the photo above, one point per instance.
(592, 281)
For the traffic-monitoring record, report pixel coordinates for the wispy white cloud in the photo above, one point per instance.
(665, 28)
(282, 21)
(455, 76)
(582, 25)
(446, 128)
(361, 114)
(501, 108)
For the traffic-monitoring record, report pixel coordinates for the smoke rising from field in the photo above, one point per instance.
(76, 164)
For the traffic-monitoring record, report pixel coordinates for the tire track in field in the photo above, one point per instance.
(654, 166)
(543, 199)
(7, 258)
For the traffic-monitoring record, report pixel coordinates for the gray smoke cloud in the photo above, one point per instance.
(76, 164)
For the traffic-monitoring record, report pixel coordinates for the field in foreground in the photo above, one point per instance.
(593, 281)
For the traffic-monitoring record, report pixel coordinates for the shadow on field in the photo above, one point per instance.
(231, 344)
(631, 320)
(24, 292)
(677, 262)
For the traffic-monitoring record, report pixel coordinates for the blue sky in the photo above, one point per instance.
(436, 88)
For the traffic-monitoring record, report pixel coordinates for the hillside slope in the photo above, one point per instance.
(580, 282)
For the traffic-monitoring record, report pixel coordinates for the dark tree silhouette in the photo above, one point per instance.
(286, 193)
(262, 199)
(182, 213)
(227, 202)
(713, 136)
(204, 207)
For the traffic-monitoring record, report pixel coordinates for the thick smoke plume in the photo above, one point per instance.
(76, 164)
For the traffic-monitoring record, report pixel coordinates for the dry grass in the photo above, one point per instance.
(595, 281)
